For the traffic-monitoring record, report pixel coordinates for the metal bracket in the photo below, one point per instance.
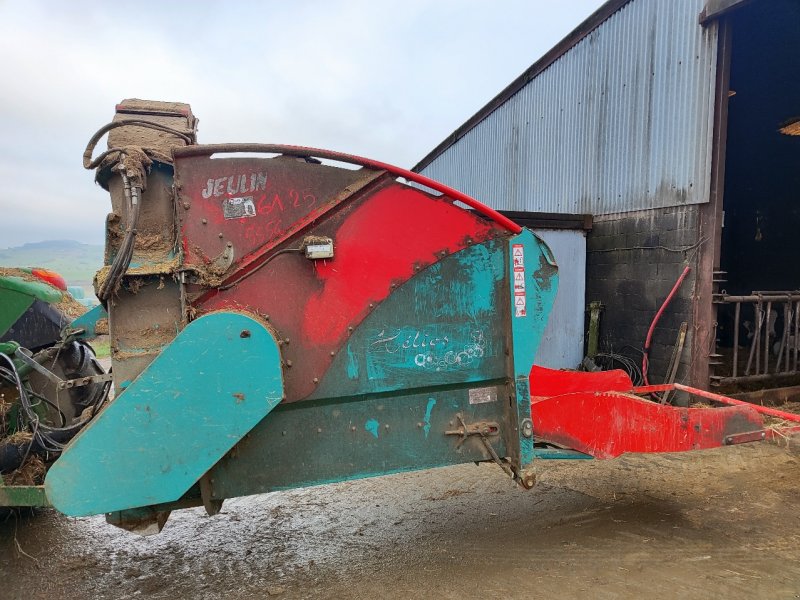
(81, 381)
(61, 384)
(25, 357)
(211, 505)
(223, 261)
(483, 429)
(747, 436)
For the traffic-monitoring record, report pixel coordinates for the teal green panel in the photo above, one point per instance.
(533, 283)
(208, 388)
(446, 325)
(89, 319)
(316, 442)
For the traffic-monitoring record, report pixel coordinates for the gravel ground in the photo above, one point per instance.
(712, 524)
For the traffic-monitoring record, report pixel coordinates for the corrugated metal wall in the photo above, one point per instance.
(562, 342)
(622, 121)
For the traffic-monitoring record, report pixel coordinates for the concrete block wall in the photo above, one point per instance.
(633, 261)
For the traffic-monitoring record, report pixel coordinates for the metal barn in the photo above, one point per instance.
(673, 123)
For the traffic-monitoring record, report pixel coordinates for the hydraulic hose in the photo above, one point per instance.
(89, 163)
(648, 339)
(123, 258)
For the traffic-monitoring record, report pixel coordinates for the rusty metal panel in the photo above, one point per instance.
(384, 235)
(621, 121)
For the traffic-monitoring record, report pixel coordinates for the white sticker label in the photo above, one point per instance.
(519, 259)
(482, 395)
(236, 208)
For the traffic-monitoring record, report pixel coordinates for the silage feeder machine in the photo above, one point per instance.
(283, 316)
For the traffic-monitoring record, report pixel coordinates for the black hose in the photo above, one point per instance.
(88, 163)
(125, 253)
(13, 455)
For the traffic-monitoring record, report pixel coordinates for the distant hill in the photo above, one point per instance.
(75, 261)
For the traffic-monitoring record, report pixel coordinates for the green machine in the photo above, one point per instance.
(50, 382)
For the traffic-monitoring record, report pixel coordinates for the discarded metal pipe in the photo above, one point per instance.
(675, 361)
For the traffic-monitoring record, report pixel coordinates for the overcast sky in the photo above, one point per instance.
(384, 80)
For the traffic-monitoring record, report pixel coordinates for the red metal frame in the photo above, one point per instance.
(649, 389)
(603, 415)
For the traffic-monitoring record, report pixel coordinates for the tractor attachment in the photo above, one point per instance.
(51, 385)
(283, 316)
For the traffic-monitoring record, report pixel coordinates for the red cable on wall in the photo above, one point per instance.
(646, 354)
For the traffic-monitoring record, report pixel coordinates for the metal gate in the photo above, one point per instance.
(769, 322)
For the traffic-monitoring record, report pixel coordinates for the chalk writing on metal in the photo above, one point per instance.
(416, 348)
(458, 358)
(393, 342)
(235, 184)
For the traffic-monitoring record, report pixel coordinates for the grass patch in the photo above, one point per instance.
(102, 346)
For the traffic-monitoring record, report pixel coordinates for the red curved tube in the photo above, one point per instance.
(648, 339)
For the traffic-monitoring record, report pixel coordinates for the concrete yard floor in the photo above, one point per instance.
(715, 524)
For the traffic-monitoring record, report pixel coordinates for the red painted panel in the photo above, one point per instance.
(380, 243)
(380, 240)
(608, 424)
(251, 202)
(551, 382)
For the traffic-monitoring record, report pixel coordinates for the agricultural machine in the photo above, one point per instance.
(38, 346)
(284, 316)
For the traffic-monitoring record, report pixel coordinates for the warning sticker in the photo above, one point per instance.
(519, 281)
(236, 208)
(519, 306)
(518, 255)
(518, 271)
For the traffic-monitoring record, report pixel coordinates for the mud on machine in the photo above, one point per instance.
(284, 316)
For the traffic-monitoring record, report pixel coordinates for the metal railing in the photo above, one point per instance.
(770, 351)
